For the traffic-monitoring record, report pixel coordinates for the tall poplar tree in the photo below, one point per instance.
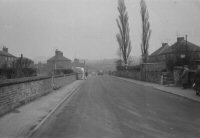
(123, 35)
(146, 31)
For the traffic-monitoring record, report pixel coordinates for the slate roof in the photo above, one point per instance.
(58, 58)
(160, 50)
(2, 53)
(191, 47)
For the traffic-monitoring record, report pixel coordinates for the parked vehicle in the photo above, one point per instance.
(80, 73)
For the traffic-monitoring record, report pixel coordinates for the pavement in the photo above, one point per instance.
(186, 93)
(110, 107)
(23, 120)
(107, 107)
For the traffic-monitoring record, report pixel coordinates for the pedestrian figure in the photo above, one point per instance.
(76, 75)
(86, 74)
(196, 84)
(185, 77)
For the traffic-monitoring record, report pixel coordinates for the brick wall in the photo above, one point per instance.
(20, 91)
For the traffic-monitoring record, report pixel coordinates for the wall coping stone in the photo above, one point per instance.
(29, 79)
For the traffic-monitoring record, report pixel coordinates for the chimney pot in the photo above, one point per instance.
(180, 39)
(58, 53)
(5, 49)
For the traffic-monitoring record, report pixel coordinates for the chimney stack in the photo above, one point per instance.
(58, 53)
(180, 39)
(5, 49)
(164, 44)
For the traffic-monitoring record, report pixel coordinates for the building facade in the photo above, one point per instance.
(6, 58)
(157, 56)
(182, 52)
(59, 62)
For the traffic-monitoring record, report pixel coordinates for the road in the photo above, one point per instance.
(108, 107)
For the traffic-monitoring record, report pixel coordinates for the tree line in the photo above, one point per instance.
(123, 37)
(21, 67)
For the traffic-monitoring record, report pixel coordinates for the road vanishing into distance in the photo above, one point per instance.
(109, 107)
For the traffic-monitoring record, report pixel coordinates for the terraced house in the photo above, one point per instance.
(6, 58)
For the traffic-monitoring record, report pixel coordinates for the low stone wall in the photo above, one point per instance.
(150, 76)
(133, 74)
(153, 76)
(14, 93)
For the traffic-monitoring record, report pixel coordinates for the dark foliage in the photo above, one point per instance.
(9, 73)
(128, 68)
(63, 71)
(18, 69)
(146, 31)
(22, 63)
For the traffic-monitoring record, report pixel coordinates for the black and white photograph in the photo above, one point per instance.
(99, 68)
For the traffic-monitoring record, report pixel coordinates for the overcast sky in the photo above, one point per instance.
(87, 28)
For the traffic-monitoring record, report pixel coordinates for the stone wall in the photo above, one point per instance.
(150, 76)
(153, 76)
(14, 93)
(133, 74)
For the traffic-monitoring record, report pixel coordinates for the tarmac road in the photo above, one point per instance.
(108, 107)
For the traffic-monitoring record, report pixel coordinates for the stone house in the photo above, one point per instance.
(157, 55)
(6, 58)
(59, 62)
(182, 50)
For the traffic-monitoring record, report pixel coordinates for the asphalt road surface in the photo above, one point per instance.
(108, 107)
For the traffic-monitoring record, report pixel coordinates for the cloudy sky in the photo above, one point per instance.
(87, 28)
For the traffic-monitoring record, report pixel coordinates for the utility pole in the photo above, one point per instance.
(186, 39)
(186, 52)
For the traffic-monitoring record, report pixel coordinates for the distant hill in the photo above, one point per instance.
(96, 65)
(108, 64)
(105, 64)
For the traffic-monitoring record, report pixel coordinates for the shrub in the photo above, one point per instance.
(63, 71)
(128, 68)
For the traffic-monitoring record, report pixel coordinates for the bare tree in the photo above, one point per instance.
(123, 35)
(146, 31)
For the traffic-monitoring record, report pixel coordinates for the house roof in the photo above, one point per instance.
(2, 53)
(58, 58)
(24, 58)
(160, 50)
(191, 47)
